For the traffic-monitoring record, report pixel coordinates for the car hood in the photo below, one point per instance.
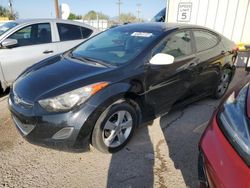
(49, 75)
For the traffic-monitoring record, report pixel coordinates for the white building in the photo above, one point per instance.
(229, 17)
(99, 24)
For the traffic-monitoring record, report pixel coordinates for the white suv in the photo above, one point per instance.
(26, 42)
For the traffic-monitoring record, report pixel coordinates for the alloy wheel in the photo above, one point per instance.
(117, 129)
(224, 82)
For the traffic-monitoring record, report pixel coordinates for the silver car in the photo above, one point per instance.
(26, 42)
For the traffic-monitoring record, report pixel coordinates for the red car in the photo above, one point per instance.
(224, 149)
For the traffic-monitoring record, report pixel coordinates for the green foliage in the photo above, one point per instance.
(73, 16)
(4, 12)
(92, 15)
(127, 18)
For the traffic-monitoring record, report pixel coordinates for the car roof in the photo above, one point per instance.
(21, 21)
(162, 26)
(32, 21)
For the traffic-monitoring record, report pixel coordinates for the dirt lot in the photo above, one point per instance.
(157, 156)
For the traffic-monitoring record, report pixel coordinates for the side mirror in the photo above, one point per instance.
(247, 68)
(9, 43)
(162, 59)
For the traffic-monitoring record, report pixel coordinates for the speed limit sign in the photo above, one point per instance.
(184, 11)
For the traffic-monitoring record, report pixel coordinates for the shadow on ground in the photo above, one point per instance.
(182, 131)
(135, 163)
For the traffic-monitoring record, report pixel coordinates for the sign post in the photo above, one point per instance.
(184, 12)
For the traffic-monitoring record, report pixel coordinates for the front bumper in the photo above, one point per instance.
(68, 131)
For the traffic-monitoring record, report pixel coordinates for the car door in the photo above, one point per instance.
(209, 55)
(34, 45)
(71, 35)
(168, 84)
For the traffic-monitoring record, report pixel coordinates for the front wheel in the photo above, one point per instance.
(223, 83)
(114, 128)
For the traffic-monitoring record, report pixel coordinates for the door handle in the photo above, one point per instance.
(48, 51)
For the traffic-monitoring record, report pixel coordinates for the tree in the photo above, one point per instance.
(73, 16)
(127, 18)
(4, 12)
(92, 15)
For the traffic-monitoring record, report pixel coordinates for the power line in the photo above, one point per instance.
(119, 10)
(138, 11)
(11, 8)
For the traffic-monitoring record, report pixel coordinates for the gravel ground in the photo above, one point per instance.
(157, 156)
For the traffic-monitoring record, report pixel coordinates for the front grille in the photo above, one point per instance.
(24, 128)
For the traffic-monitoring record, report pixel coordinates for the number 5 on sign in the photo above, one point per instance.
(184, 11)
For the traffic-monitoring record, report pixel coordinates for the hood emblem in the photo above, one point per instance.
(17, 99)
(20, 101)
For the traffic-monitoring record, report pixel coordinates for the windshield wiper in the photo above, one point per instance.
(89, 60)
(98, 61)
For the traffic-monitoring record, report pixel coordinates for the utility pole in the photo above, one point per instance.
(57, 8)
(119, 9)
(138, 11)
(11, 9)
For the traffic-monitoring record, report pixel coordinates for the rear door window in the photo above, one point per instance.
(205, 40)
(72, 32)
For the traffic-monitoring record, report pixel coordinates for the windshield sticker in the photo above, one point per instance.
(141, 34)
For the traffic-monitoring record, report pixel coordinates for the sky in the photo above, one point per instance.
(45, 8)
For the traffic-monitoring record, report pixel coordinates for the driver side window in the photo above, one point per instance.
(178, 45)
(33, 35)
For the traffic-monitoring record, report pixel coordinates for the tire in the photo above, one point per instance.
(111, 134)
(223, 83)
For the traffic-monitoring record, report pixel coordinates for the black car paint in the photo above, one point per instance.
(152, 89)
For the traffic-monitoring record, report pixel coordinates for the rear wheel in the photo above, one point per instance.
(223, 83)
(114, 128)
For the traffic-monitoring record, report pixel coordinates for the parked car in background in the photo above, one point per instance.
(224, 149)
(25, 42)
(101, 90)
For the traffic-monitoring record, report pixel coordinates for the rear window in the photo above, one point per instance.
(72, 32)
(205, 40)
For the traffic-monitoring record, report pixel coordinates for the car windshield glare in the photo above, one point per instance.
(6, 27)
(115, 46)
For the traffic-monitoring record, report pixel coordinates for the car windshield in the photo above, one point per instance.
(115, 46)
(7, 26)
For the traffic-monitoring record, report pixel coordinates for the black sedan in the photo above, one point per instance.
(100, 91)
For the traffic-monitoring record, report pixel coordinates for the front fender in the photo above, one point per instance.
(110, 95)
(97, 104)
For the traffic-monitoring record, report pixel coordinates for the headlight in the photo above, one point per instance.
(235, 124)
(71, 99)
